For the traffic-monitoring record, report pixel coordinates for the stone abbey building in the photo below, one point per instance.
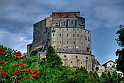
(66, 32)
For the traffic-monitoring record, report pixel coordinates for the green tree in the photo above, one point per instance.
(116, 77)
(120, 52)
(104, 78)
(53, 58)
(96, 76)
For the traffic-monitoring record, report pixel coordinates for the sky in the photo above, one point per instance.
(102, 17)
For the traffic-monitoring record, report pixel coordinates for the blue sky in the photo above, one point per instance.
(103, 18)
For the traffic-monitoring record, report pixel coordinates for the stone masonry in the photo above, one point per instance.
(66, 32)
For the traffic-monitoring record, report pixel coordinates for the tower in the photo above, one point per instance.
(66, 32)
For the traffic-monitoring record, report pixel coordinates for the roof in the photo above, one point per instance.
(108, 62)
(66, 12)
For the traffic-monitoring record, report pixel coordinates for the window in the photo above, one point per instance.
(85, 37)
(76, 56)
(54, 46)
(81, 36)
(67, 35)
(71, 21)
(82, 43)
(88, 49)
(60, 42)
(67, 42)
(65, 56)
(53, 34)
(71, 61)
(88, 45)
(60, 35)
(77, 35)
(86, 57)
(63, 23)
(73, 42)
(88, 39)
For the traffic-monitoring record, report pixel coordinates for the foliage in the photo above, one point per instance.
(120, 52)
(53, 58)
(110, 77)
(18, 69)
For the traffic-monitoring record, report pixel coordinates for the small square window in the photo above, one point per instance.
(88, 39)
(81, 36)
(85, 37)
(67, 42)
(73, 42)
(67, 35)
(53, 34)
(77, 35)
(60, 42)
(65, 56)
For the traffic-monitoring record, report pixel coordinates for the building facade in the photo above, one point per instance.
(66, 32)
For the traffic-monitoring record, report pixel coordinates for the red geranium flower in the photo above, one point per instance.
(2, 62)
(3, 76)
(30, 71)
(16, 72)
(22, 66)
(1, 49)
(18, 53)
(19, 77)
(4, 73)
(22, 57)
(15, 65)
(36, 72)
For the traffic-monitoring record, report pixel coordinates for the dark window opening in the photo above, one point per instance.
(65, 56)
(67, 42)
(67, 35)
(74, 42)
(77, 35)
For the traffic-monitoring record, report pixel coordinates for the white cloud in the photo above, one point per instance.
(112, 13)
(14, 41)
